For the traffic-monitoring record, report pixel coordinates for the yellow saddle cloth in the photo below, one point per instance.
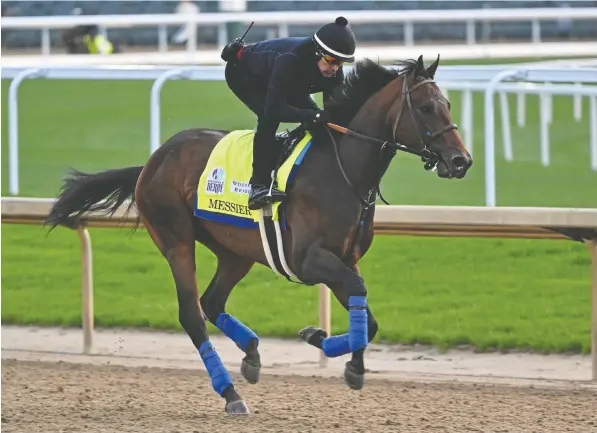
(223, 190)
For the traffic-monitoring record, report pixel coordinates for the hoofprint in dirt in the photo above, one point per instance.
(132, 348)
(69, 397)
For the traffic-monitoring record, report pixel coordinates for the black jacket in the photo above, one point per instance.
(287, 68)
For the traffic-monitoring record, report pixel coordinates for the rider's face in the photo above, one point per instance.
(328, 66)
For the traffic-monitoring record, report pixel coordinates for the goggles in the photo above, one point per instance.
(332, 60)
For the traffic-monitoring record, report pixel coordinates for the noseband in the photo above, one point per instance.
(429, 157)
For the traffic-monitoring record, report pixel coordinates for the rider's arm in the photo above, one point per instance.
(283, 78)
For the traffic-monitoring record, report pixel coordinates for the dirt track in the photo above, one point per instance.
(52, 397)
(46, 391)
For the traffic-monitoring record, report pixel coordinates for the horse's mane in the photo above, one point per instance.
(366, 78)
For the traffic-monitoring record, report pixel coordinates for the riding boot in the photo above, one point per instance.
(263, 187)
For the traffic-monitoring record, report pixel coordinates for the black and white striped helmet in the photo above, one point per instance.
(337, 40)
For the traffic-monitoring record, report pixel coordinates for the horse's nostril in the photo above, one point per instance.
(459, 162)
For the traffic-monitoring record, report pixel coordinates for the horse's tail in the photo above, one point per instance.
(84, 192)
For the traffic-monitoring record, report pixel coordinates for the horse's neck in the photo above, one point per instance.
(361, 160)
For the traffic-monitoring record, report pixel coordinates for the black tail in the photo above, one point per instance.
(84, 192)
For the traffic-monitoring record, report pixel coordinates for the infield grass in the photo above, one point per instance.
(487, 293)
(524, 294)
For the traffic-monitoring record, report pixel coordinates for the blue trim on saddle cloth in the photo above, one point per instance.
(247, 222)
(226, 219)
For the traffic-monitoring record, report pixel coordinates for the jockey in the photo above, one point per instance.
(274, 79)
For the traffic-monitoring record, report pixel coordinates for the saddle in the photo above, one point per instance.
(287, 141)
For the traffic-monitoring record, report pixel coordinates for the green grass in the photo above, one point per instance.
(487, 293)
(483, 292)
(97, 125)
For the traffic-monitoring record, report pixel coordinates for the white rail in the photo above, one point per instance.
(487, 79)
(385, 54)
(504, 222)
(282, 20)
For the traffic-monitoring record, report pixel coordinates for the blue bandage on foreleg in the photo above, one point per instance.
(235, 330)
(220, 379)
(357, 330)
(335, 346)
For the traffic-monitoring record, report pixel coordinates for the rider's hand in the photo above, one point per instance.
(321, 117)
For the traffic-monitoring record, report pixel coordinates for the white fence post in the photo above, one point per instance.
(490, 189)
(13, 126)
(593, 133)
(521, 109)
(578, 105)
(154, 108)
(544, 128)
(467, 120)
(506, 134)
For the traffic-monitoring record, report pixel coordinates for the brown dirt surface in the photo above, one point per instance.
(136, 381)
(69, 397)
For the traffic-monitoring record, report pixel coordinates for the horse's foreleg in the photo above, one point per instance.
(175, 239)
(321, 266)
(231, 269)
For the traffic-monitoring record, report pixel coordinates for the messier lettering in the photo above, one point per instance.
(229, 207)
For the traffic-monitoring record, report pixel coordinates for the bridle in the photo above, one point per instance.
(389, 148)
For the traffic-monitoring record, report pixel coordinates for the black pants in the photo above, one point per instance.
(252, 94)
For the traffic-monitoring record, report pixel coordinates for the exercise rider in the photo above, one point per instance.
(275, 79)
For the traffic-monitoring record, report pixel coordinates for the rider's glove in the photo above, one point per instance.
(321, 117)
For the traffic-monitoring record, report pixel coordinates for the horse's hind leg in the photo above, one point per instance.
(173, 233)
(231, 269)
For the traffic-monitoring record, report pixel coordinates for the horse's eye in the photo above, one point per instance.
(425, 108)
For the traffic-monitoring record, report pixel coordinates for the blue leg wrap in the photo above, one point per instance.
(220, 379)
(357, 331)
(335, 346)
(235, 330)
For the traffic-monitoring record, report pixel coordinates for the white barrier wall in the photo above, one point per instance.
(521, 80)
(282, 20)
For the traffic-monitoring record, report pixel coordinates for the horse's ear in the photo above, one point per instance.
(431, 69)
(420, 68)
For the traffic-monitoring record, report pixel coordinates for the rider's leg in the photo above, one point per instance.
(246, 88)
(265, 152)
(265, 156)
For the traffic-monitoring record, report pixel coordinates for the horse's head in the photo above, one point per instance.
(420, 119)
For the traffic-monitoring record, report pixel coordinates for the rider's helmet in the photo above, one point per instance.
(335, 41)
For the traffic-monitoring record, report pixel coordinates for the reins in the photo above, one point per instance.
(430, 158)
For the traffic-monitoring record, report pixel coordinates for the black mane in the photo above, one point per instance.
(366, 78)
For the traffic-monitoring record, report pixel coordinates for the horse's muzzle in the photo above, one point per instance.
(455, 165)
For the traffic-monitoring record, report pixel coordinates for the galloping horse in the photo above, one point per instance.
(329, 209)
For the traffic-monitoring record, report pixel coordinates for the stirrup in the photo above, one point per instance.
(259, 200)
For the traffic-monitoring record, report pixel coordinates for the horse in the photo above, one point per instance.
(329, 210)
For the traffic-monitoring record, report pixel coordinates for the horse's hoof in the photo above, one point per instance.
(311, 333)
(250, 370)
(353, 379)
(237, 407)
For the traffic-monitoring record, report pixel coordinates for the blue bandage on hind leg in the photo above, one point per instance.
(357, 331)
(220, 379)
(235, 330)
(335, 346)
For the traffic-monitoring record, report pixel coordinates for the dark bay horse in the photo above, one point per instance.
(329, 210)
